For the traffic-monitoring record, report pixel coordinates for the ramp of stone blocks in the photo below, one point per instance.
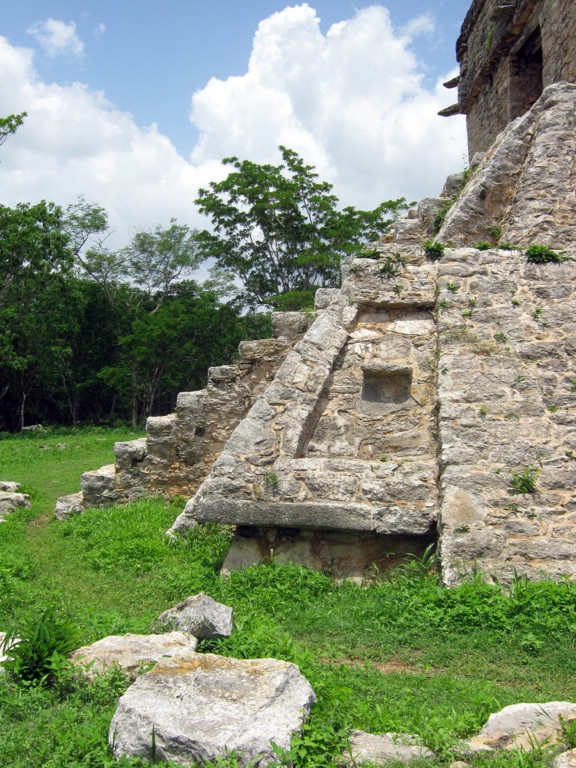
(343, 438)
(179, 448)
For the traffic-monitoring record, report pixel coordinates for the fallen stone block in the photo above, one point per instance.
(10, 487)
(11, 501)
(69, 505)
(133, 653)
(197, 707)
(523, 726)
(566, 759)
(200, 615)
(390, 746)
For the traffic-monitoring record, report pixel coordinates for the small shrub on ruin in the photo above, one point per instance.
(541, 254)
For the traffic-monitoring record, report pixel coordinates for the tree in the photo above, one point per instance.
(9, 125)
(278, 231)
(34, 298)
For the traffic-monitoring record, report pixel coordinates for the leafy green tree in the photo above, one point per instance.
(278, 231)
(9, 125)
(34, 314)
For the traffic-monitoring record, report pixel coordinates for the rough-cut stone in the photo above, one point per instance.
(381, 749)
(9, 486)
(199, 707)
(69, 505)
(132, 653)
(99, 486)
(566, 759)
(525, 184)
(523, 726)
(11, 501)
(201, 616)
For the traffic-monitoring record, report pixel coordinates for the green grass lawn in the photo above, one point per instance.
(402, 654)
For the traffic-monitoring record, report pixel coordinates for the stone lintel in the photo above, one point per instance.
(453, 109)
(315, 516)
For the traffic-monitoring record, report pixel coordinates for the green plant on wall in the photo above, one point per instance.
(524, 481)
(433, 249)
(541, 254)
(392, 265)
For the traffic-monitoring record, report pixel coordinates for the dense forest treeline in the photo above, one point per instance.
(89, 334)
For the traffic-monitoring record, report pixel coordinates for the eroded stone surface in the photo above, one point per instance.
(69, 505)
(566, 759)
(10, 501)
(525, 184)
(381, 749)
(201, 707)
(524, 726)
(201, 616)
(133, 653)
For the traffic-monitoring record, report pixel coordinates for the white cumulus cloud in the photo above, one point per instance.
(351, 101)
(57, 38)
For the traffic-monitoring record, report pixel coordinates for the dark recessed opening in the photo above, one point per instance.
(526, 78)
(386, 386)
(199, 431)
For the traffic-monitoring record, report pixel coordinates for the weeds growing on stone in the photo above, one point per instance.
(524, 481)
(433, 249)
(541, 254)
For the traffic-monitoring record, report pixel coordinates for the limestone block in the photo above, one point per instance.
(12, 501)
(69, 505)
(200, 707)
(158, 427)
(130, 453)
(381, 749)
(566, 759)
(427, 210)
(133, 653)
(9, 487)
(291, 325)
(523, 726)
(99, 486)
(201, 616)
(409, 231)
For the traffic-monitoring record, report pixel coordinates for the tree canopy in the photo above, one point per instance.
(278, 230)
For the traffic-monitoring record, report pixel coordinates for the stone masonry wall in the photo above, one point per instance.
(180, 448)
(508, 52)
(342, 439)
(507, 394)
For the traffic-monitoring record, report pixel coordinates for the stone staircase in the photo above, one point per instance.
(180, 448)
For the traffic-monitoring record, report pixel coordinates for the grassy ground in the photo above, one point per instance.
(400, 655)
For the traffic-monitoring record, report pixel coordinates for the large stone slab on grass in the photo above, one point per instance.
(10, 501)
(523, 726)
(566, 759)
(8, 485)
(202, 706)
(133, 653)
(69, 505)
(390, 746)
(200, 615)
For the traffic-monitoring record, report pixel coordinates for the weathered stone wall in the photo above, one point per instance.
(507, 395)
(343, 437)
(180, 448)
(525, 184)
(508, 52)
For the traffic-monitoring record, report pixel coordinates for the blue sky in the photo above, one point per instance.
(133, 104)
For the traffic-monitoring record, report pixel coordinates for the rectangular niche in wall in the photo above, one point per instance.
(385, 388)
(526, 79)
